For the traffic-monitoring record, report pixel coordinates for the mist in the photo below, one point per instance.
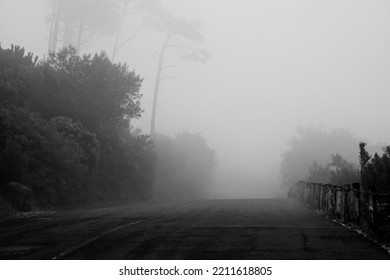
(256, 72)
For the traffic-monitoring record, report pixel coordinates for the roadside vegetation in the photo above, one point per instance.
(66, 132)
(336, 157)
(320, 156)
(330, 186)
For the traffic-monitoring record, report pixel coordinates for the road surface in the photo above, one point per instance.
(208, 229)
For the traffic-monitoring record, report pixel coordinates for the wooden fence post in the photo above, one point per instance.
(339, 202)
(347, 203)
(328, 197)
(356, 202)
(342, 203)
(364, 219)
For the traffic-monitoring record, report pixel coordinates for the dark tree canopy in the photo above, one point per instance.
(375, 171)
(66, 128)
(98, 92)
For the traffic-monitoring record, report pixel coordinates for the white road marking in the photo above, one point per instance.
(85, 243)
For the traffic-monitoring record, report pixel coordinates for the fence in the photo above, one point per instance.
(349, 203)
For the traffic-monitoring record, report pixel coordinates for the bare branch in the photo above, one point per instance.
(131, 37)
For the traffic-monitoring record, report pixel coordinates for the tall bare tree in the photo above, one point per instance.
(175, 29)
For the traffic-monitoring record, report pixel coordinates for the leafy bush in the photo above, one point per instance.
(36, 154)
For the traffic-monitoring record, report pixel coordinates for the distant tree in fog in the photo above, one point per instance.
(338, 172)
(131, 8)
(75, 22)
(174, 30)
(185, 166)
(318, 173)
(343, 171)
(315, 145)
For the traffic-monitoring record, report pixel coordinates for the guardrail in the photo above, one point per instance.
(348, 203)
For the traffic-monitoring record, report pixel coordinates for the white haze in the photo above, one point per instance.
(275, 65)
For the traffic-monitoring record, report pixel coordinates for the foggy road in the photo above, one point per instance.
(209, 229)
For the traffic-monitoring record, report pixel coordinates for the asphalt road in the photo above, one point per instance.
(208, 229)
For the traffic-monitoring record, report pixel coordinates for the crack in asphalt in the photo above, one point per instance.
(304, 239)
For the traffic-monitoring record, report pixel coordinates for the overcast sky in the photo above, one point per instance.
(276, 65)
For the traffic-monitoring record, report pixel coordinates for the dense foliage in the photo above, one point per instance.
(65, 128)
(375, 172)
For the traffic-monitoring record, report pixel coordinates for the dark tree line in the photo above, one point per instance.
(375, 172)
(65, 128)
(66, 133)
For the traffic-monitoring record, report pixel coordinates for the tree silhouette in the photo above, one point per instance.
(174, 29)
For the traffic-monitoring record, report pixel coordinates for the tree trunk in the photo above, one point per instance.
(156, 87)
(80, 34)
(52, 28)
(123, 14)
(53, 38)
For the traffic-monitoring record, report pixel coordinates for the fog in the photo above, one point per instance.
(274, 66)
